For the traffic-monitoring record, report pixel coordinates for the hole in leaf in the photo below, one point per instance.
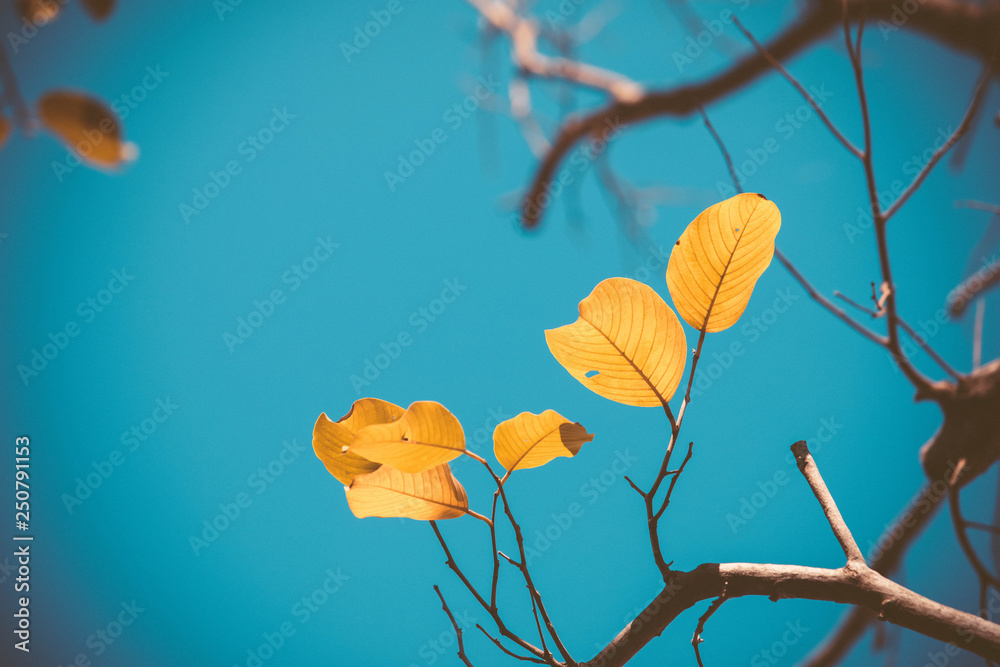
(591, 374)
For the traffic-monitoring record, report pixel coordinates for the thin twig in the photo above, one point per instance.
(776, 64)
(458, 631)
(506, 650)
(807, 466)
(696, 640)
(977, 99)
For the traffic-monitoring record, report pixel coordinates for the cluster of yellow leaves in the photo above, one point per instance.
(627, 345)
(394, 462)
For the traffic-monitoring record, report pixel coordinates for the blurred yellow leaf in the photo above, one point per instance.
(4, 130)
(429, 495)
(426, 436)
(85, 125)
(627, 345)
(715, 265)
(529, 440)
(39, 12)
(99, 9)
(330, 438)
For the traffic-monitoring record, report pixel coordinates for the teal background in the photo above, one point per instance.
(484, 356)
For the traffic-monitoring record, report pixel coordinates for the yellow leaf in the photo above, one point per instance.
(529, 440)
(426, 436)
(39, 12)
(429, 495)
(85, 125)
(4, 130)
(715, 265)
(330, 438)
(99, 9)
(627, 345)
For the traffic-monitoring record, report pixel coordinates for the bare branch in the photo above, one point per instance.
(977, 99)
(458, 631)
(807, 466)
(696, 640)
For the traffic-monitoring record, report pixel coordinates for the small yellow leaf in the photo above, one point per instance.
(715, 265)
(529, 440)
(4, 130)
(99, 9)
(430, 495)
(39, 12)
(330, 438)
(627, 345)
(426, 436)
(85, 125)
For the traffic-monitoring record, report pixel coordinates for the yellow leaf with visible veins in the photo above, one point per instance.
(529, 440)
(627, 345)
(426, 436)
(430, 495)
(330, 438)
(715, 265)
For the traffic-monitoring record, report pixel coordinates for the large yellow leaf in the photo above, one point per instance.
(715, 265)
(426, 436)
(330, 438)
(429, 495)
(627, 344)
(529, 440)
(85, 125)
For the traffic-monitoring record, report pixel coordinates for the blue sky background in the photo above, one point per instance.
(322, 177)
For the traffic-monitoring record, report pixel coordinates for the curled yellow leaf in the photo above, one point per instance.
(426, 436)
(529, 440)
(430, 495)
(715, 264)
(627, 345)
(86, 126)
(330, 438)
